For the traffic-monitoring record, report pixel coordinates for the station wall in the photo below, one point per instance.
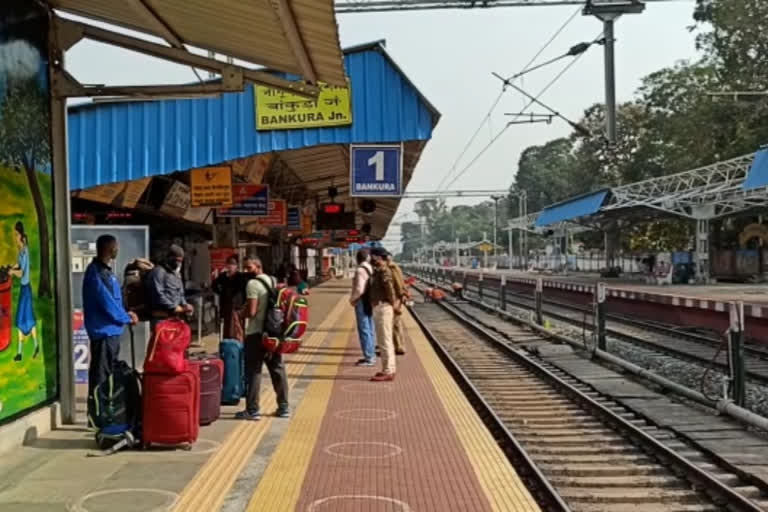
(28, 341)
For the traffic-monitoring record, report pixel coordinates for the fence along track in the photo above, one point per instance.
(584, 444)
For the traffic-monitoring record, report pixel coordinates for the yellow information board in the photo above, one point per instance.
(211, 186)
(280, 110)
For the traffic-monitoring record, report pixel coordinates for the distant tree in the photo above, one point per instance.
(25, 146)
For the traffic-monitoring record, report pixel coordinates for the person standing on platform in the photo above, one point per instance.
(360, 300)
(401, 292)
(229, 285)
(165, 289)
(385, 303)
(257, 294)
(104, 314)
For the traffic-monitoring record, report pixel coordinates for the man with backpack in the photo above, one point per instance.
(360, 300)
(385, 305)
(104, 315)
(260, 291)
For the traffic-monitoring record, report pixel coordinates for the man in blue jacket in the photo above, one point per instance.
(103, 311)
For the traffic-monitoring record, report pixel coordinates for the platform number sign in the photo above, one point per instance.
(376, 170)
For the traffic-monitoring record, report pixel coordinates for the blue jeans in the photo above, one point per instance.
(365, 332)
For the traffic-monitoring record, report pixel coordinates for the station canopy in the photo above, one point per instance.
(132, 142)
(299, 37)
(719, 190)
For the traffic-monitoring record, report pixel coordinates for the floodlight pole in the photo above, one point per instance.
(608, 11)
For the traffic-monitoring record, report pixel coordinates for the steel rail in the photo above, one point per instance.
(691, 472)
(522, 461)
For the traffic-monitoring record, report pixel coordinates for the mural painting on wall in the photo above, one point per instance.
(28, 347)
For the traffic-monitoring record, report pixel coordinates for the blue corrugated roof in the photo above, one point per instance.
(121, 141)
(757, 177)
(572, 209)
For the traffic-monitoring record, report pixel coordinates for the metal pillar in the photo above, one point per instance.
(702, 250)
(539, 300)
(736, 354)
(503, 293)
(510, 248)
(62, 221)
(610, 80)
(458, 254)
(600, 316)
(480, 284)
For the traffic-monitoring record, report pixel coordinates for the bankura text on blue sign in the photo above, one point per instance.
(376, 170)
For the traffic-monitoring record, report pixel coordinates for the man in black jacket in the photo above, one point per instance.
(165, 289)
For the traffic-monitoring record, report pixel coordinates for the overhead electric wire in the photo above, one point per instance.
(533, 100)
(487, 116)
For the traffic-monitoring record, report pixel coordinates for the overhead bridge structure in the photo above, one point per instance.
(352, 6)
(701, 195)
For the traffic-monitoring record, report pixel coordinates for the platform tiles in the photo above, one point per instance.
(412, 445)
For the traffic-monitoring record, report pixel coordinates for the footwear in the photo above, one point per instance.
(365, 362)
(17, 358)
(37, 351)
(245, 415)
(400, 352)
(283, 413)
(383, 377)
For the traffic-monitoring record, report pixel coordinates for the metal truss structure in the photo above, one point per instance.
(710, 192)
(702, 195)
(352, 6)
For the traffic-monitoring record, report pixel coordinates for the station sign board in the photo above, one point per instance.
(294, 218)
(211, 186)
(280, 110)
(247, 201)
(376, 170)
(80, 349)
(277, 216)
(176, 202)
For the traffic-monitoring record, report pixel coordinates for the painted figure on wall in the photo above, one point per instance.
(25, 314)
(28, 371)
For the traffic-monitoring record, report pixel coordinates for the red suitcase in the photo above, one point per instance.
(171, 408)
(211, 371)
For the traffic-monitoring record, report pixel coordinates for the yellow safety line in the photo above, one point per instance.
(208, 489)
(499, 480)
(280, 487)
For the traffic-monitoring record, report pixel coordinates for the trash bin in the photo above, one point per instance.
(6, 313)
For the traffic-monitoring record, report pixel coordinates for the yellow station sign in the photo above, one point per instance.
(211, 186)
(280, 110)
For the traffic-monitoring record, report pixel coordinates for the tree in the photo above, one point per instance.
(25, 146)
(545, 173)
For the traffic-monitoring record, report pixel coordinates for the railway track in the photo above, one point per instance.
(596, 454)
(684, 345)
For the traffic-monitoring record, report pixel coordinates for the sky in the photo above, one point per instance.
(450, 55)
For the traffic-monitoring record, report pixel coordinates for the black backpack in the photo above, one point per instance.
(116, 410)
(366, 296)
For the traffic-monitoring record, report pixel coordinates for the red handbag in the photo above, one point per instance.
(166, 349)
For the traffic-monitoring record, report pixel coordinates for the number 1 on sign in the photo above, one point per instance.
(378, 160)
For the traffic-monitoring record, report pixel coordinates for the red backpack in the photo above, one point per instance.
(286, 320)
(165, 353)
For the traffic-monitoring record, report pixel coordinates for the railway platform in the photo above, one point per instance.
(705, 306)
(350, 445)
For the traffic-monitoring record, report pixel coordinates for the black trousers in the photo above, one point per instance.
(104, 355)
(255, 357)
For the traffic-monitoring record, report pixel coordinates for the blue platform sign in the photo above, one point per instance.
(247, 201)
(376, 170)
(294, 218)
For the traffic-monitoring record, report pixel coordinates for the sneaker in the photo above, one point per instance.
(17, 358)
(246, 415)
(400, 352)
(361, 361)
(37, 351)
(383, 377)
(365, 362)
(283, 413)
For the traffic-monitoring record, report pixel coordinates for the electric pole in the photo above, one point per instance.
(495, 225)
(608, 11)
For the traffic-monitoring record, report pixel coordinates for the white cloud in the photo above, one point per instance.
(19, 59)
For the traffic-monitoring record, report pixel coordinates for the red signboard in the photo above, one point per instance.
(219, 258)
(277, 216)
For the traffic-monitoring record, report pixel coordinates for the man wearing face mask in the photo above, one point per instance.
(165, 289)
(229, 285)
(104, 314)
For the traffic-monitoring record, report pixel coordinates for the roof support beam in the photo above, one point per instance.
(288, 21)
(74, 31)
(147, 12)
